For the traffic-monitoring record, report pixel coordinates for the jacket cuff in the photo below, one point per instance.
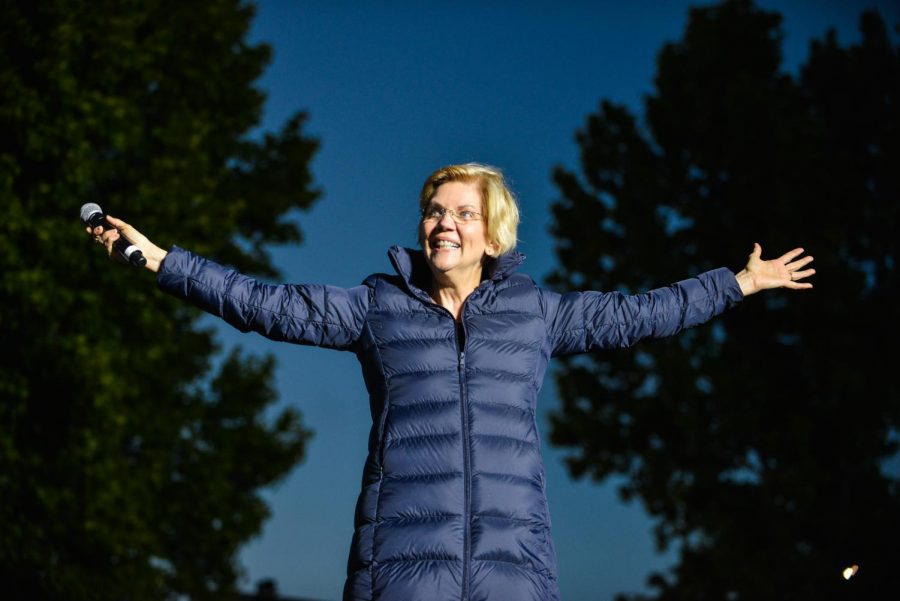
(173, 269)
(728, 285)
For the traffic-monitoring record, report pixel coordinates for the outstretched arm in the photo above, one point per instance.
(326, 316)
(583, 321)
(783, 272)
(580, 322)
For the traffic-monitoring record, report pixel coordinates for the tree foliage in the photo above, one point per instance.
(128, 469)
(758, 442)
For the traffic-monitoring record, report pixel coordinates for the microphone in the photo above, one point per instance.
(92, 215)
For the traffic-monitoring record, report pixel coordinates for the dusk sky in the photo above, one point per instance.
(394, 90)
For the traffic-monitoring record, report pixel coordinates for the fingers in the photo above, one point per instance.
(106, 238)
(800, 263)
(129, 232)
(99, 231)
(799, 275)
(117, 222)
(792, 267)
(790, 254)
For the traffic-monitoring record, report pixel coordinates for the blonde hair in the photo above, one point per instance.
(501, 213)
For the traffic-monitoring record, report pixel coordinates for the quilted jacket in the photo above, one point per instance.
(452, 506)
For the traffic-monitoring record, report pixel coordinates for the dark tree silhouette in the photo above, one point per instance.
(129, 468)
(758, 442)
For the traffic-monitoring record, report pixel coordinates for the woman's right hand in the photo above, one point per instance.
(152, 252)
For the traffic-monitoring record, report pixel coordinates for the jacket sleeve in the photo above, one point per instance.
(317, 315)
(580, 322)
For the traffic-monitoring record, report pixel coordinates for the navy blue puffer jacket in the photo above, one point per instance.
(453, 505)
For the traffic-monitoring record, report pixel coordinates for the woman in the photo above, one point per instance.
(453, 351)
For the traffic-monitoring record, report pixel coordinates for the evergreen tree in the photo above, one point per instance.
(128, 469)
(757, 442)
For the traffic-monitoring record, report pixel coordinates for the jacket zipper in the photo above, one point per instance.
(467, 459)
(461, 342)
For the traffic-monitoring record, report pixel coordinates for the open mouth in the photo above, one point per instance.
(444, 245)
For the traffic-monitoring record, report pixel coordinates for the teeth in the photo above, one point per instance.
(446, 244)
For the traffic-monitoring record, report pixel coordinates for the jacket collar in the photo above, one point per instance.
(410, 265)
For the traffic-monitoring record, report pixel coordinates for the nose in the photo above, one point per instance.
(446, 221)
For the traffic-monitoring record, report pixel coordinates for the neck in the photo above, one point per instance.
(451, 291)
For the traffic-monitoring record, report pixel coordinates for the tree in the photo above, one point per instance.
(129, 469)
(758, 442)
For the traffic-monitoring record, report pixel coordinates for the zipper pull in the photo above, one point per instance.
(462, 359)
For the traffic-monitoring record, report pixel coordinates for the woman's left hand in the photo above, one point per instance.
(783, 272)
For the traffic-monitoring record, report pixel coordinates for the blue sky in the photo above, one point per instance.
(393, 91)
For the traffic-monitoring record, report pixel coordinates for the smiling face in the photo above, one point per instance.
(455, 251)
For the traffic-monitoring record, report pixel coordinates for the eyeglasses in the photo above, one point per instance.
(436, 213)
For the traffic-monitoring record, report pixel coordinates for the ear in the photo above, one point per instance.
(492, 250)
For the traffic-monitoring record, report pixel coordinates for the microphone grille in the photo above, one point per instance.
(89, 209)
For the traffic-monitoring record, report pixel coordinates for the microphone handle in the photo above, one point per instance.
(131, 253)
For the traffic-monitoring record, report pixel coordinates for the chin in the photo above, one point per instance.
(441, 265)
